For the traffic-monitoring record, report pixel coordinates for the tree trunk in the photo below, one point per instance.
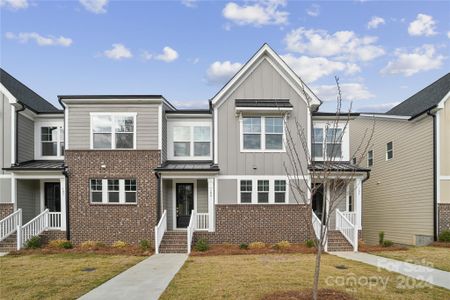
(317, 272)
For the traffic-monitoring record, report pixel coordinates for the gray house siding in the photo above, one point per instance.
(146, 119)
(5, 133)
(202, 196)
(28, 198)
(25, 139)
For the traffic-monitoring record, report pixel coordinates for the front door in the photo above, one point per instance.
(52, 194)
(318, 203)
(185, 203)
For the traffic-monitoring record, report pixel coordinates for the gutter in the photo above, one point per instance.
(434, 176)
(66, 174)
(16, 139)
(158, 197)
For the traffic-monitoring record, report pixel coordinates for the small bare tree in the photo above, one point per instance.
(309, 178)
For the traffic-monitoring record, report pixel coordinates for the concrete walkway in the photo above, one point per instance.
(146, 280)
(427, 274)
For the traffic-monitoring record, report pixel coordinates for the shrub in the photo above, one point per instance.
(309, 243)
(34, 242)
(387, 243)
(144, 244)
(119, 244)
(256, 245)
(444, 236)
(92, 245)
(201, 245)
(282, 245)
(381, 238)
(243, 246)
(65, 244)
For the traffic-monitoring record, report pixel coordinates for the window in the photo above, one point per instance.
(113, 131)
(252, 133)
(191, 141)
(96, 191)
(389, 151)
(274, 133)
(52, 141)
(181, 141)
(317, 146)
(202, 143)
(354, 160)
(263, 191)
(280, 191)
(327, 142)
(370, 158)
(262, 133)
(114, 191)
(246, 191)
(334, 142)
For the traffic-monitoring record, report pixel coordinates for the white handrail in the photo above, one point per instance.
(350, 215)
(190, 230)
(54, 220)
(35, 227)
(160, 229)
(202, 221)
(317, 226)
(348, 230)
(9, 224)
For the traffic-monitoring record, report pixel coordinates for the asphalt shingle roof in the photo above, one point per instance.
(25, 95)
(423, 100)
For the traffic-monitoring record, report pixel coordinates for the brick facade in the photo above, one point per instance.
(444, 216)
(6, 209)
(50, 235)
(258, 223)
(111, 222)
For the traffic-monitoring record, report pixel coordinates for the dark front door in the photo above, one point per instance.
(318, 203)
(52, 191)
(185, 203)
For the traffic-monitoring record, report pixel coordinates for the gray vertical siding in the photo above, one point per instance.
(5, 133)
(264, 83)
(25, 139)
(168, 202)
(227, 191)
(28, 198)
(164, 133)
(146, 119)
(202, 196)
(5, 190)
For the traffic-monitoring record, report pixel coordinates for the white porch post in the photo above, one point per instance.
(211, 204)
(14, 191)
(358, 202)
(62, 182)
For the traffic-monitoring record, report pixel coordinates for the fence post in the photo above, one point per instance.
(355, 228)
(19, 230)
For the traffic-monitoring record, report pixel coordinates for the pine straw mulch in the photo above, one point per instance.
(324, 294)
(230, 249)
(441, 244)
(106, 250)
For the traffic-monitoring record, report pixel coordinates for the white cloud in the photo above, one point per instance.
(312, 68)
(375, 22)
(350, 92)
(422, 25)
(168, 55)
(423, 58)
(25, 37)
(220, 72)
(95, 6)
(313, 10)
(377, 108)
(118, 52)
(263, 12)
(448, 34)
(190, 104)
(189, 3)
(14, 4)
(341, 44)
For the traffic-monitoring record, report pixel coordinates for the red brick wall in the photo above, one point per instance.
(6, 209)
(444, 216)
(51, 235)
(111, 222)
(258, 223)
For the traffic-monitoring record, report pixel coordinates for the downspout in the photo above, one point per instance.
(158, 197)
(434, 177)
(16, 141)
(66, 174)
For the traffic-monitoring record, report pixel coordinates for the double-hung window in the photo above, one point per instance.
(130, 190)
(327, 143)
(370, 158)
(113, 191)
(181, 141)
(246, 191)
(96, 190)
(334, 142)
(274, 133)
(280, 191)
(52, 141)
(263, 191)
(262, 133)
(113, 131)
(202, 140)
(317, 145)
(191, 141)
(389, 150)
(252, 133)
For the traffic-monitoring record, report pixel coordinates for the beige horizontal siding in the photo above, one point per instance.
(444, 117)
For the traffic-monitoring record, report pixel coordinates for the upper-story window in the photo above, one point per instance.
(49, 139)
(370, 158)
(389, 150)
(262, 133)
(329, 142)
(113, 131)
(189, 140)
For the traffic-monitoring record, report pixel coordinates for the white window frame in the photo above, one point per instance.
(370, 158)
(105, 192)
(38, 139)
(254, 191)
(392, 150)
(262, 133)
(345, 143)
(113, 116)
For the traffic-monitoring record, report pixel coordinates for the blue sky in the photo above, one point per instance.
(382, 52)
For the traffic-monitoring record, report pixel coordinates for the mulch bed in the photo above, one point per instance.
(377, 248)
(441, 244)
(128, 250)
(215, 250)
(324, 294)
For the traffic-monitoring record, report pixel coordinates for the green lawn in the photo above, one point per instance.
(253, 276)
(58, 276)
(435, 257)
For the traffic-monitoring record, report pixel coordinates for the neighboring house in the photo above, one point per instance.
(135, 162)
(408, 193)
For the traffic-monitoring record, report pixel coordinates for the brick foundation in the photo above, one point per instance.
(258, 223)
(444, 216)
(6, 209)
(112, 222)
(51, 235)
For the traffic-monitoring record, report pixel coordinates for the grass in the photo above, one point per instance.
(435, 257)
(253, 276)
(57, 276)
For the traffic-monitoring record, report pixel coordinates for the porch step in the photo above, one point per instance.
(174, 242)
(9, 244)
(337, 242)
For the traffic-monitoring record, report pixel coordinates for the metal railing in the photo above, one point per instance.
(160, 229)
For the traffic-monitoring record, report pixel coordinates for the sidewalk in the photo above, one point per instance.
(430, 275)
(146, 280)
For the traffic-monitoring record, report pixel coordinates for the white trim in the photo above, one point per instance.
(373, 162)
(6, 176)
(38, 142)
(5, 91)
(271, 192)
(262, 134)
(216, 137)
(160, 131)
(441, 103)
(392, 150)
(385, 116)
(181, 176)
(445, 177)
(14, 191)
(13, 135)
(174, 200)
(211, 192)
(105, 195)
(347, 197)
(345, 143)
(113, 133)
(438, 158)
(188, 116)
(263, 109)
(26, 176)
(66, 127)
(130, 100)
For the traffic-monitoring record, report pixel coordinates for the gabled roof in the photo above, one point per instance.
(25, 95)
(424, 100)
(266, 50)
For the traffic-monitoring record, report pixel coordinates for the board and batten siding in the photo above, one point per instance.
(28, 198)
(146, 119)
(398, 197)
(5, 133)
(444, 129)
(25, 139)
(263, 83)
